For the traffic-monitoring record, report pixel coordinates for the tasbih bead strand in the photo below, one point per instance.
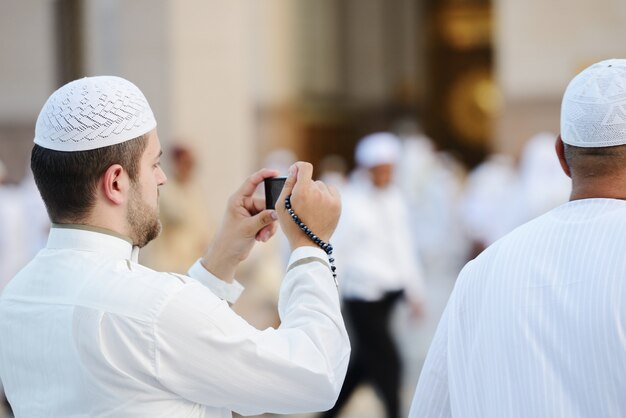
(325, 246)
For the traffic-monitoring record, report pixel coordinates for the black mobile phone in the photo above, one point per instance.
(273, 188)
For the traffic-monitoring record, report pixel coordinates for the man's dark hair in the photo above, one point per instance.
(595, 161)
(67, 181)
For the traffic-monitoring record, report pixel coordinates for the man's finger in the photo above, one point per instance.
(254, 204)
(258, 204)
(305, 170)
(298, 172)
(266, 233)
(321, 185)
(289, 183)
(263, 219)
(249, 186)
(334, 192)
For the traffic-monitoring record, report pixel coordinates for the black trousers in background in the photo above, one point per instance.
(374, 358)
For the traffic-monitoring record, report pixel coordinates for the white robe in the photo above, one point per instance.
(374, 249)
(86, 331)
(536, 325)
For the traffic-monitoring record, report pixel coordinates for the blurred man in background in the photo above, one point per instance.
(184, 214)
(377, 264)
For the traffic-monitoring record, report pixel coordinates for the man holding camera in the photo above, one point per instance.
(86, 331)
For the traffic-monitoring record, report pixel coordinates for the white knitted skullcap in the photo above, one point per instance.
(376, 149)
(593, 111)
(93, 112)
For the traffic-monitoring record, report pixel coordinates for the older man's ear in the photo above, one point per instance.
(560, 152)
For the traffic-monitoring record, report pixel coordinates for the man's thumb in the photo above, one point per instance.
(290, 182)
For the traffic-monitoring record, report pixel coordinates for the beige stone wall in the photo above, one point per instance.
(214, 70)
(193, 61)
(540, 46)
(26, 77)
(131, 39)
(212, 103)
(27, 51)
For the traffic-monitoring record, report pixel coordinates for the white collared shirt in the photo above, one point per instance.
(87, 332)
(536, 325)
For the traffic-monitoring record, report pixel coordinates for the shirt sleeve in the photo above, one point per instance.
(432, 395)
(206, 353)
(230, 292)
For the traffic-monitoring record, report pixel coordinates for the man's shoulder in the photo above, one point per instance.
(113, 286)
(514, 241)
(554, 230)
(164, 279)
(140, 288)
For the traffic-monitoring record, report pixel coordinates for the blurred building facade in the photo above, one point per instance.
(245, 77)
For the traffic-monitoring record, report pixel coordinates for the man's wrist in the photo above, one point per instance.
(303, 241)
(221, 288)
(219, 265)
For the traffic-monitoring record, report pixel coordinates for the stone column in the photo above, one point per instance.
(192, 59)
(540, 47)
(27, 77)
(212, 101)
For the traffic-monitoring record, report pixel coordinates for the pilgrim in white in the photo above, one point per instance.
(86, 331)
(535, 325)
(378, 263)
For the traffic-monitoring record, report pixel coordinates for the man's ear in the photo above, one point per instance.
(560, 152)
(115, 184)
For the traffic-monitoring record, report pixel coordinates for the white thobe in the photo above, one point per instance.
(87, 332)
(374, 248)
(536, 325)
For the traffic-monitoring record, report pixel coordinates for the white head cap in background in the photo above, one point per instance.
(377, 149)
(593, 111)
(93, 112)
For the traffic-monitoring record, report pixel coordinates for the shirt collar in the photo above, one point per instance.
(93, 239)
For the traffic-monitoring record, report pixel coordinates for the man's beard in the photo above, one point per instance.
(143, 220)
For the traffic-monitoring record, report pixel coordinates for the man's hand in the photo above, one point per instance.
(245, 221)
(316, 204)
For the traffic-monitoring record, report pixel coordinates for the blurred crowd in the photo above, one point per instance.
(24, 224)
(448, 215)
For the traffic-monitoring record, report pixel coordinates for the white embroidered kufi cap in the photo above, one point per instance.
(377, 149)
(593, 111)
(93, 112)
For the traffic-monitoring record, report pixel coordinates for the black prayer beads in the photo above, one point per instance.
(325, 246)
